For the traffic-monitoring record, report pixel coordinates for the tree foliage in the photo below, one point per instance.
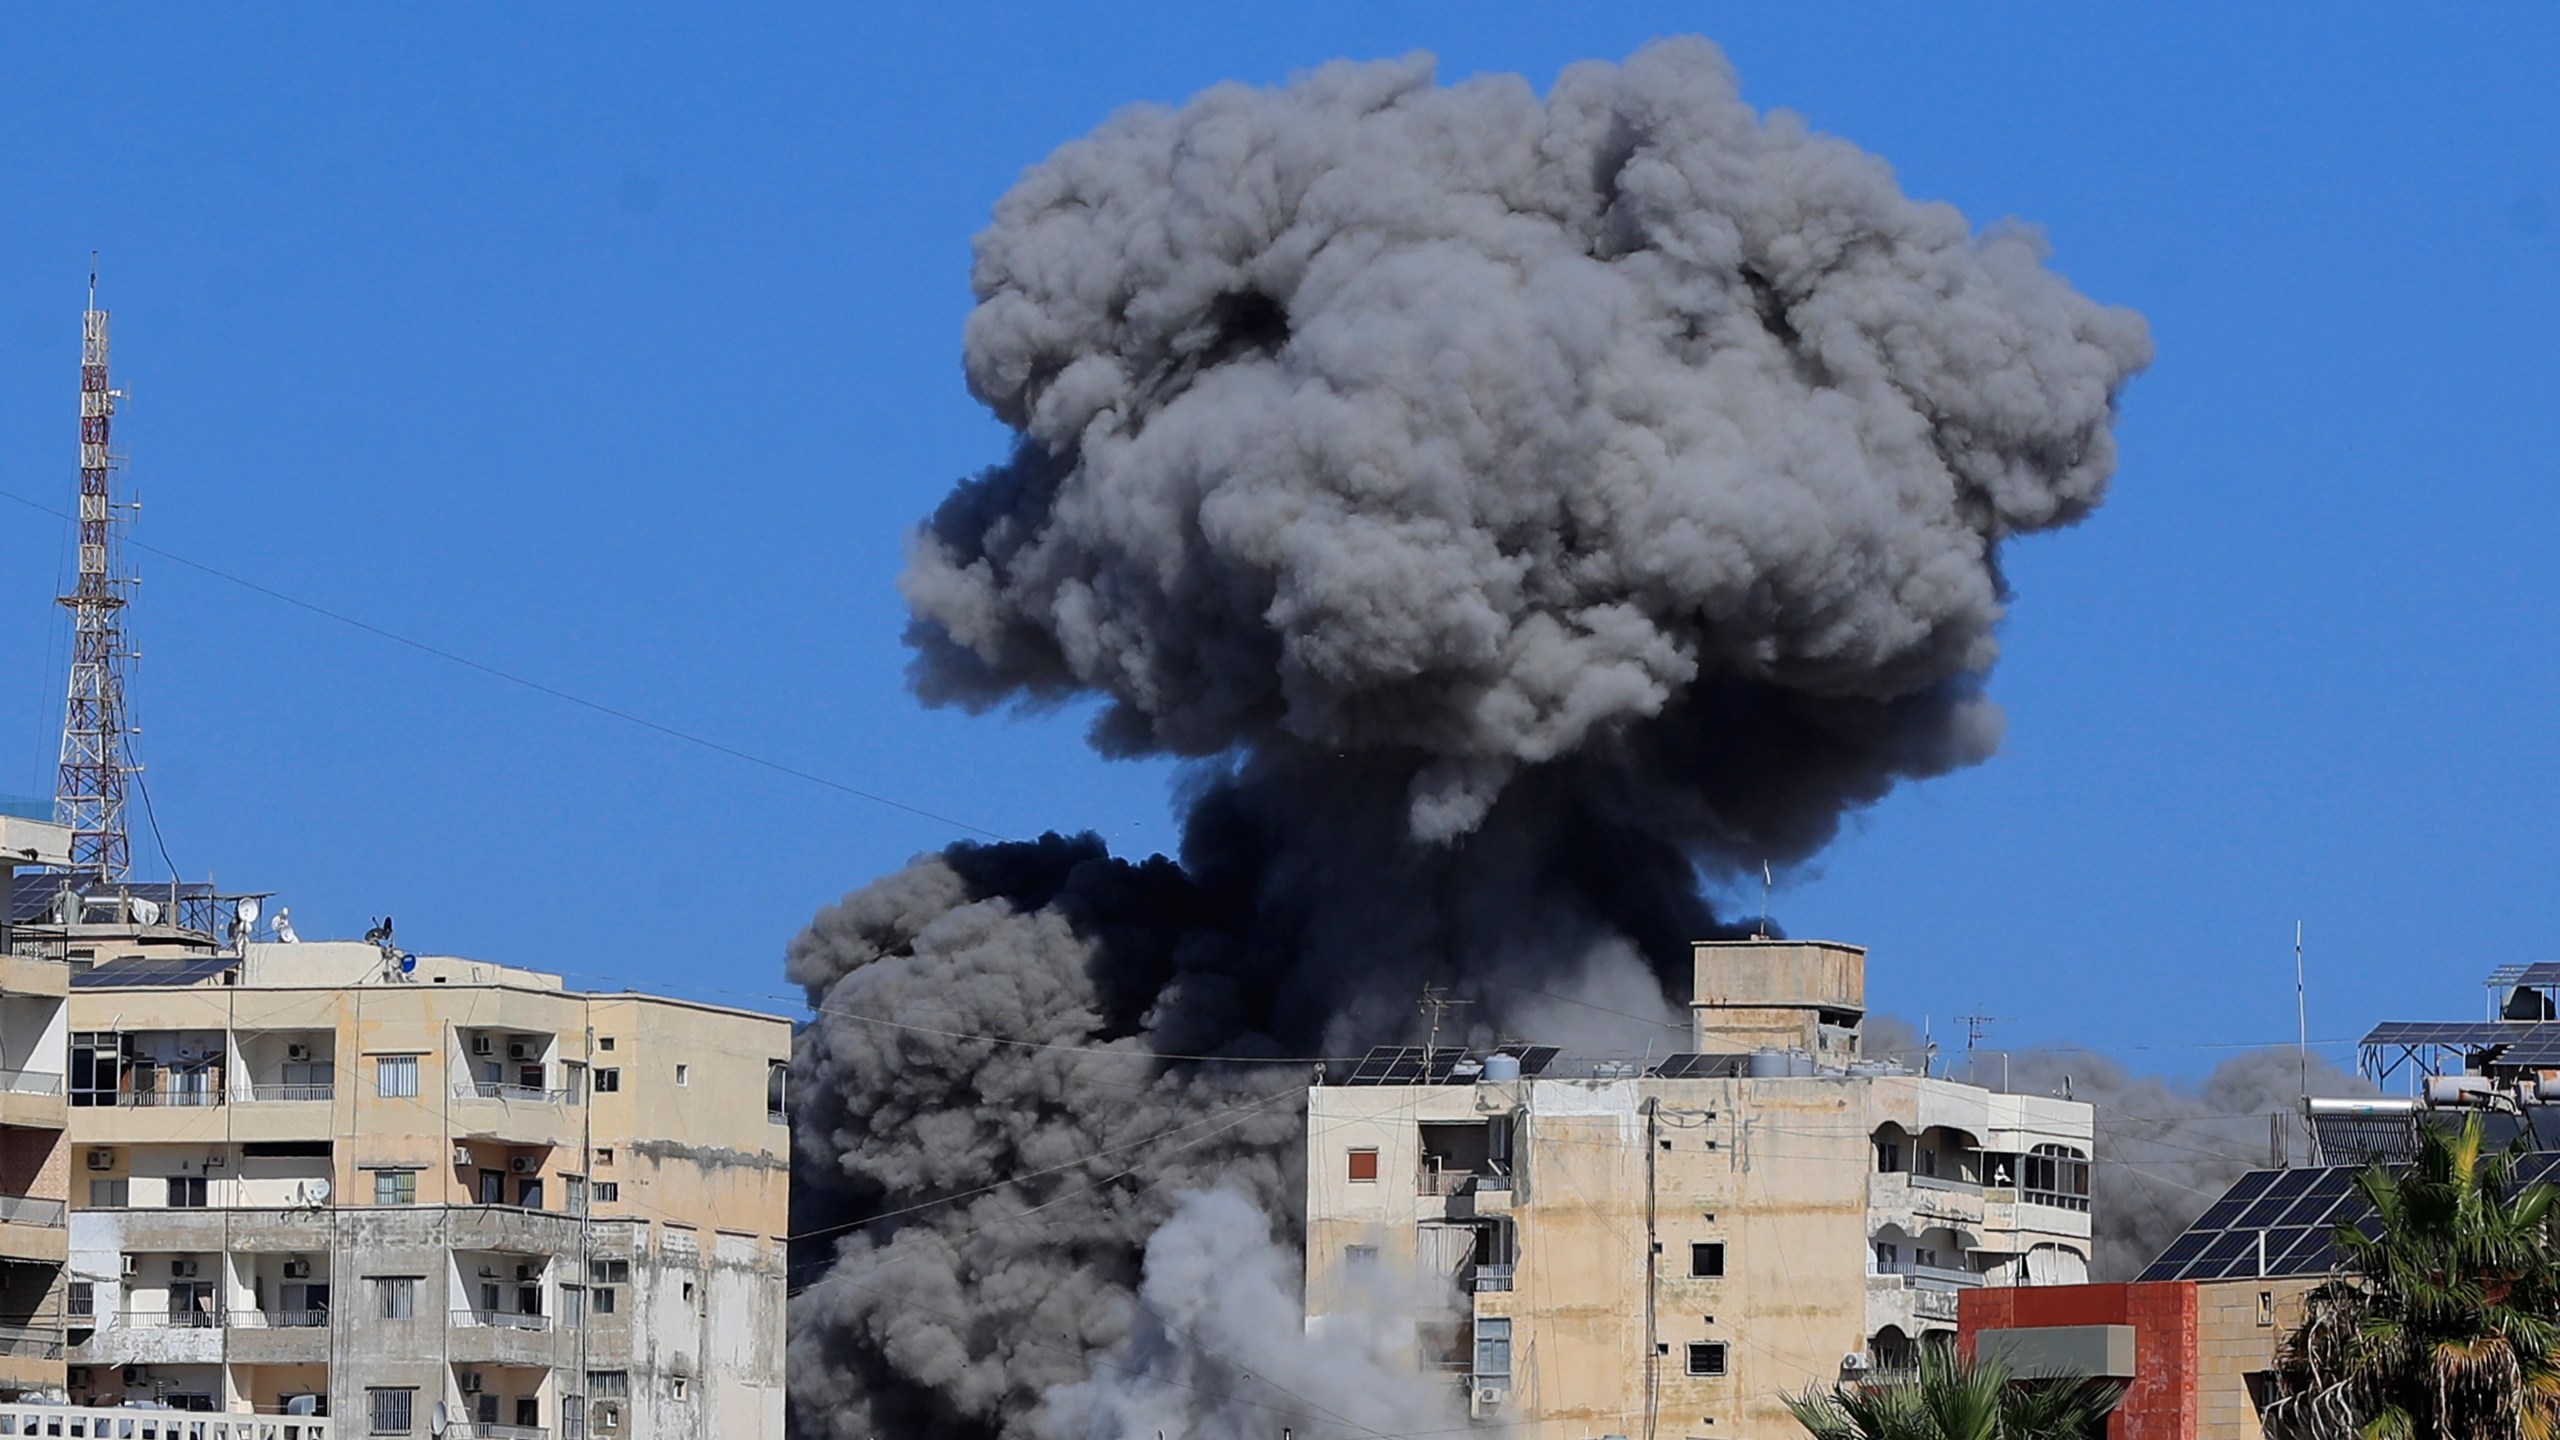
(1957, 1398)
(2446, 1323)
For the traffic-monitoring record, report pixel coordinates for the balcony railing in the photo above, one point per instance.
(166, 1319)
(2055, 1198)
(18, 1418)
(289, 1094)
(497, 1090)
(280, 1319)
(28, 1210)
(1940, 1276)
(1490, 1278)
(1956, 1183)
(162, 1099)
(491, 1430)
(41, 1342)
(30, 1082)
(38, 947)
(502, 1319)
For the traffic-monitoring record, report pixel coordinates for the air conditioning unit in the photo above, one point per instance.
(524, 1164)
(461, 1157)
(102, 1159)
(297, 1052)
(297, 1269)
(137, 1374)
(483, 1045)
(132, 1264)
(183, 1269)
(77, 1375)
(519, 1051)
(526, 1272)
(1855, 1362)
(471, 1382)
(1486, 1400)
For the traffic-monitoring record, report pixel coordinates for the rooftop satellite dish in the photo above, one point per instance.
(284, 926)
(408, 963)
(438, 1419)
(248, 910)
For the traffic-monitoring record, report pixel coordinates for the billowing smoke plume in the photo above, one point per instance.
(1516, 506)
(2165, 1151)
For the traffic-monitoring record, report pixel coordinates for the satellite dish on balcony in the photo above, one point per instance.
(316, 1191)
(437, 1419)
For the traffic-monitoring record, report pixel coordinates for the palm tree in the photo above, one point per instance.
(1957, 1398)
(2447, 1325)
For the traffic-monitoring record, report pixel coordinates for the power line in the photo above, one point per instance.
(538, 687)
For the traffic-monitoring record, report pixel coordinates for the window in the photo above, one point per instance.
(97, 1056)
(609, 1384)
(573, 1194)
(1706, 1258)
(684, 1074)
(395, 1297)
(676, 1386)
(1364, 1164)
(573, 1304)
(395, 1077)
(608, 1081)
(186, 1192)
(1493, 1348)
(604, 1042)
(688, 1292)
(1359, 1257)
(604, 1157)
(1706, 1357)
(83, 1298)
(395, 1187)
(2266, 1307)
(573, 1082)
(573, 1417)
(390, 1410)
(493, 1187)
(603, 1276)
(110, 1194)
(608, 1191)
(2056, 1175)
(1888, 1157)
(1925, 1256)
(777, 1089)
(529, 1192)
(1888, 1259)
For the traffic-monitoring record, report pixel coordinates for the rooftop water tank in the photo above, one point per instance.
(1501, 1067)
(1780, 1064)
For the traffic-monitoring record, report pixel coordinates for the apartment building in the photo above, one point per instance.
(34, 1169)
(1672, 1248)
(420, 1195)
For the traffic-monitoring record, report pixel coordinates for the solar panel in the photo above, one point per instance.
(1535, 1059)
(1693, 1066)
(2468, 1034)
(1406, 1065)
(2540, 973)
(2295, 1215)
(138, 971)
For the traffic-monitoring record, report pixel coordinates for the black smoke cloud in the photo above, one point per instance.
(1513, 507)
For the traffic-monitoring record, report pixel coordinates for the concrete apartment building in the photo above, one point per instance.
(1672, 1248)
(305, 1170)
(34, 1164)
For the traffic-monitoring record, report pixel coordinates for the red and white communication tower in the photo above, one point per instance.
(88, 793)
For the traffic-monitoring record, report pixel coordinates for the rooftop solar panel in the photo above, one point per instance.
(1535, 1059)
(2540, 973)
(1702, 1067)
(2467, 1034)
(1406, 1065)
(137, 972)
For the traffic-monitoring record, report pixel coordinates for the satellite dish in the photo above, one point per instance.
(248, 911)
(284, 926)
(437, 1419)
(408, 963)
(317, 1189)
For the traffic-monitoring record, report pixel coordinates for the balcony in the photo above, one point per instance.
(1943, 1182)
(278, 1337)
(505, 1319)
(281, 1319)
(31, 1230)
(38, 1342)
(530, 1094)
(1899, 1301)
(153, 1337)
(133, 1421)
(1492, 1278)
(491, 1430)
(289, 1094)
(28, 1210)
(31, 1098)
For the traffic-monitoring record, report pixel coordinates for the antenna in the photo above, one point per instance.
(1766, 880)
(88, 793)
(1974, 1027)
(1435, 1005)
(2301, 1019)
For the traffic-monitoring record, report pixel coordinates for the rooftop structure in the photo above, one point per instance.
(1606, 1244)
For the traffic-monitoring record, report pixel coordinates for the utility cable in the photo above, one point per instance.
(538, 687)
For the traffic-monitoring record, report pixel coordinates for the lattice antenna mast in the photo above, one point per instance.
(88, 793)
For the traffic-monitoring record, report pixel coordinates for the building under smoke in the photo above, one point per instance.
(1517, 507)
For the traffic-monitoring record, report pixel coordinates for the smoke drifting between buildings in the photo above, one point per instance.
(1516, 508)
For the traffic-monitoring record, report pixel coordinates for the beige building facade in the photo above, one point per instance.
(34, 1163)
(1671, 1248)
(416, 1195)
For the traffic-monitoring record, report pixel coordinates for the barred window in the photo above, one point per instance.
(391, 1410)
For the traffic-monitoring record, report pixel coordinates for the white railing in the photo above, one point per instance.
(280, 1319)
(502, 1319)
(1492, 1277)
(28, 1210)
(491, 1430)
(290, 1094)
(167, 1319)
(30, 1082)
(167, 1099)
(130, 1422)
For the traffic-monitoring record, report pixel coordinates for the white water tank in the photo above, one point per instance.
(1498, 1068)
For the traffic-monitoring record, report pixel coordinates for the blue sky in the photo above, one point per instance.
(621, 355)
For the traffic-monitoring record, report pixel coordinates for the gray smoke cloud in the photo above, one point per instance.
(2165, 1150)
(1515, 507)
